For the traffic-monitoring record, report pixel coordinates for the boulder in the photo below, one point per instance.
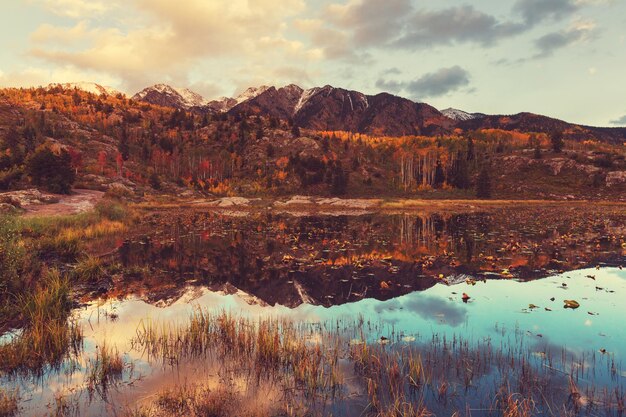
(615, 178)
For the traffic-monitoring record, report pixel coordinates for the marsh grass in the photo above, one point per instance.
(12, 260)
(200, 400)
(89, 269)
(435, 376)
(47, 335)
(106, 369)
(9, 403)
(35, 298)
(266, 350)
(65, 406)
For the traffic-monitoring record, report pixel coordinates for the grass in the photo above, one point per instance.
(270, 350)
(65, 406)
(12, 260)
(47, 334)
(105, 369)
(433, 376)
(50, 241)
(200, 400)
(89, 269)
(35, 297)
(8, 403)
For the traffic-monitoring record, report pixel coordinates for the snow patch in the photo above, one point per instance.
(184, 96)
(251, 93)
(88, 87)
(304, 98)
(459, 115)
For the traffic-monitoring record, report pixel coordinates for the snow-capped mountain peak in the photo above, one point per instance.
(251, 93)
(88, 87)
(163, 94)
(458, 115)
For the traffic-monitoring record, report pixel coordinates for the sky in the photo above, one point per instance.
(561, 58)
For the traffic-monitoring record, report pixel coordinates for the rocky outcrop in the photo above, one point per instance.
(615, 178)
(22, 198)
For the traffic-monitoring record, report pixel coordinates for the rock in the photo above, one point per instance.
(27, 197)
(120, 190)
(306, 147)
(348, 203)
(615, 178)
(296, 200)
(6, 208)
(230, 202)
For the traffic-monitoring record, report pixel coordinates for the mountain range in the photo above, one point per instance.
(331, 108)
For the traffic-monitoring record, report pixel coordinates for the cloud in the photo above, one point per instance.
(433, 84)
(440, 82)
(390, 85)
(620, 121)
(455, 25)
(77, 8)
(436, 309)
(536, 11)
(551, 42)
(36, 76)
(371, 22)
(343, 28)
(392, 71)
(166, 40)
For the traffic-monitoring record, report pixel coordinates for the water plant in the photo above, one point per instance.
(105, 369)
(48, 334)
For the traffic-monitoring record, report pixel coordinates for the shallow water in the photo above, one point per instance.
(498, 310)
(400, 277)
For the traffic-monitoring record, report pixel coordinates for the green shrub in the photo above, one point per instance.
(12, 255)
(111, 210)
(89, 269)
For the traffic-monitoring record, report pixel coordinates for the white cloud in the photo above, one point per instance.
(37, 76)
(77, 8)
(168, 39)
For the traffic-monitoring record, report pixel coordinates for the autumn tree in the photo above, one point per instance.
(470, 149)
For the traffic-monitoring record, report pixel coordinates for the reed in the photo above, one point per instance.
(89, 269)
(9, 403)
(105, 369)
(48, 335)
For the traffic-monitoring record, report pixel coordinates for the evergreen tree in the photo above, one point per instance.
(556, 138)
(440, 176)
(52, 172)
(155, 181)
(483, 184)
(122, 145)
(339, 182)
(460, 173)
(295, 131)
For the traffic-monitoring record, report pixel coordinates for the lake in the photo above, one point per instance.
(526, 298)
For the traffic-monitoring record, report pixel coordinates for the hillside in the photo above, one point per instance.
(133, 148)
